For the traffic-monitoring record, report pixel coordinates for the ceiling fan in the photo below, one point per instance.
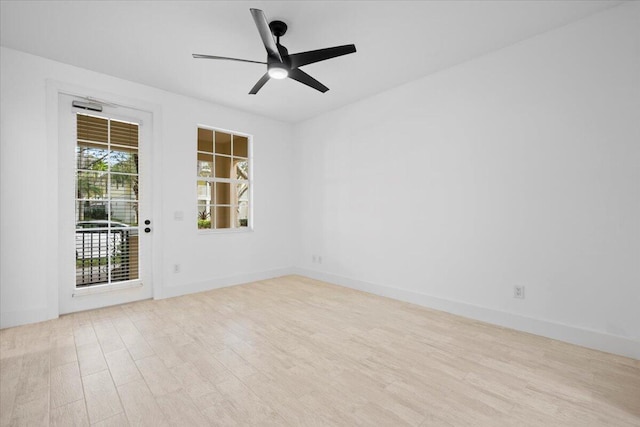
(279, 63)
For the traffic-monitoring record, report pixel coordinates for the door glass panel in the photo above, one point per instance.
(124, 256)
(106, 201)
(91, 128)
(91, 156)
(124, 186)
(123, 214)
(87, 211)
(123, 133)
(124, 160)
(91, 185)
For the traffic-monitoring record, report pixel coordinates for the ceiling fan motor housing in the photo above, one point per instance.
(277, 69)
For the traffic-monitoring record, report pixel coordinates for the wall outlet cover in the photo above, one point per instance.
(518, 292)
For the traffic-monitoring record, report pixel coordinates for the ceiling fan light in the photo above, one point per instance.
(278, 71)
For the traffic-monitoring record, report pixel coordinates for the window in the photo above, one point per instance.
(224, 182)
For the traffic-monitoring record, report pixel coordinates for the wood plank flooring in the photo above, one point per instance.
(297, 352)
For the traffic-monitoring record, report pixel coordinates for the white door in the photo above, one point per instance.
(104, 205)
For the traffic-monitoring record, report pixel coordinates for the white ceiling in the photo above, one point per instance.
(151, 42)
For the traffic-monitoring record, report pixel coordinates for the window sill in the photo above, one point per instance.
(226, 231)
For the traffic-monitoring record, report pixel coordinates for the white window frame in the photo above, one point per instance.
(213, 179)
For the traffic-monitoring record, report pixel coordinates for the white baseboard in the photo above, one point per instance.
(567, 333)
(223, 282)
(571, 334)
(9, 319)
(17, 318)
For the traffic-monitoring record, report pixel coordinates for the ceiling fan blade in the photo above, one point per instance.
(259, 85)
(304, 58)
(304, 78)
(265, 33)
(200, 56)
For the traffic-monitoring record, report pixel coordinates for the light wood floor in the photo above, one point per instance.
(294, 351)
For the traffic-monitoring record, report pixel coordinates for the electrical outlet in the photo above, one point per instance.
(176, 268)
(518, 292)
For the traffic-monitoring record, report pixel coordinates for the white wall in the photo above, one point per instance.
(521, 167)
(29, 260)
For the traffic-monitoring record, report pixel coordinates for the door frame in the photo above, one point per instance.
(58, 198)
